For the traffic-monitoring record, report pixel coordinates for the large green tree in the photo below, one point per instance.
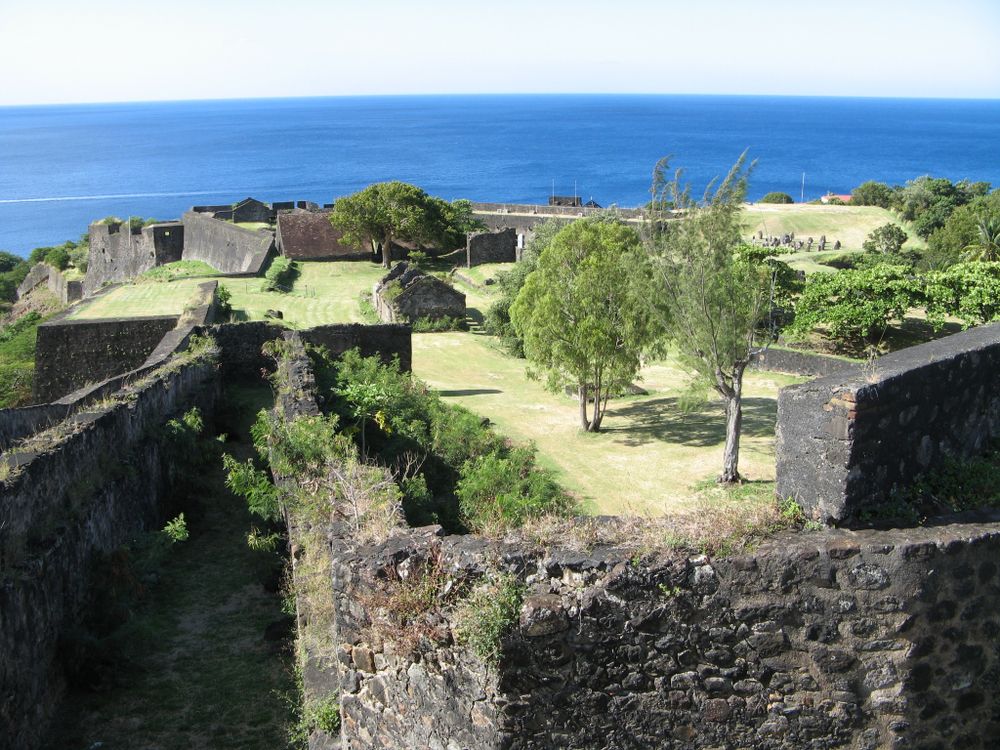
(389, 211)
(712, 297)
(581, 315)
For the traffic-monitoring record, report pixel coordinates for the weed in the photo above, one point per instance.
(176, 530)
(670, 592)
(488, 614)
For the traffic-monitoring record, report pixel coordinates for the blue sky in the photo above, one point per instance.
(62, 51)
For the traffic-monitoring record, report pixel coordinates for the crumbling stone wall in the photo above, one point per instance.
(87, 491)
(847, 441)
(224, 246)
(37, 274)
(408, 294)
(118, 253)
(491, 247)
(822, 639)
(795, 362)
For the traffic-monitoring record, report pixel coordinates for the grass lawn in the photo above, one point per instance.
(650, 454)
(322, 293)
(480, 274)
(849, 224)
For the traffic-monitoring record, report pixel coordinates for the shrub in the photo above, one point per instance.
(224, 300)
(488, 614)
(872, 193)
(776, 197)
(968, 291)
(887, 239)
(498, 492)
(436, 325)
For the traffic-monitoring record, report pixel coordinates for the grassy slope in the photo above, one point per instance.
(849, 224)
(650, 453)
(199, 672)
(323, 293)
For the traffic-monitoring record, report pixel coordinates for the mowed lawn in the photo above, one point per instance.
(322, 293)
(649, 454)
(849, 224)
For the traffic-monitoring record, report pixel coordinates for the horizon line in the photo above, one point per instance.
(456, 94)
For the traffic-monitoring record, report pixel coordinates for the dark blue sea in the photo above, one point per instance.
(62, 166)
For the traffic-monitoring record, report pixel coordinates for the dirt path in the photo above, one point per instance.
(199, 672)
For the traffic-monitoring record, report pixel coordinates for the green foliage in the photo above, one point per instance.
(388, 211)
(967, 291)
(582, 315)
(280, 275)
(436, 325)
(776, 197)
(17, 360)
(9, 261)
(224, 300)
(455, 221)
(499, 491)
(887, 239)
(928, 201)
(418, 258)
(855, 306)
(872, 193)
(254, 486)
(986, 245)
(488, 614)
(176, 530)
(509, 283)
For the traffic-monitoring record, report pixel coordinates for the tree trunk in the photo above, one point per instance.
(734, 425)
(582, 390)
(387, 251)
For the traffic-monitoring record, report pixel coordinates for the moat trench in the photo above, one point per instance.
(205, 661)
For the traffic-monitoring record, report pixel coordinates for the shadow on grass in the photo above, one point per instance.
(470, 392)
(660, 419)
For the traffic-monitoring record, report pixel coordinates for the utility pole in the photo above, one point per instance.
(802, 195)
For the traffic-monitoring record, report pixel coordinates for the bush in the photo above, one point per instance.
(436, 325)
(872, 193)
(488, 614)
(498, 492)
(776, 197)
(968, 291)
(887, 239)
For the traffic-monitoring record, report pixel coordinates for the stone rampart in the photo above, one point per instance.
(386, 341)
(491, 247)
(849, 440)
(825, 639)
(224, 246)
(794, 362)
(65, 289)
(118, 253)
(37, 274)
(71, 353)
(85, 488)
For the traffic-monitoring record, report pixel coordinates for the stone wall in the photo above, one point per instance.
(823, 639)
(847, 441)
(309, 235)
(794, 362)
(67, 291)
(37, 274)
(118, 253)
(385, 341)
(224, 246)
(491, 247)
(71, 353)
(87, 488)
(817, 640)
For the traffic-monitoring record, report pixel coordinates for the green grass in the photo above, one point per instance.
(180, 269)
(254, 225)
(17, 361)
(322, 293)
(650, 453)
(198, 672)
(480, 274)
(849, 224)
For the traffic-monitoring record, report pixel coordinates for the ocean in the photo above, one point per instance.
(64, 166)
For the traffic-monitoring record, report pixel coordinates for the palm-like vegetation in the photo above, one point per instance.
(986, 246)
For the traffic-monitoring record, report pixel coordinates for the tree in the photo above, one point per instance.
(388, 211)
(986, 245)
(456, 221)
(872, 193)
(713, 297)
(968, 291)
(887, 239)
(855, 306)
(776, 197)
(581, 316)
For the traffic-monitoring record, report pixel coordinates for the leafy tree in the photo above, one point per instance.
(388, 211)
(968, 291)
(455, 220)
(777, 197)
(929, 201)
(855, 306)
(712, 298)
(13, 269)
(581, 316)
(872, 193)
(951, 243)
(509, 283)
(887, 239)
(9, 261)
